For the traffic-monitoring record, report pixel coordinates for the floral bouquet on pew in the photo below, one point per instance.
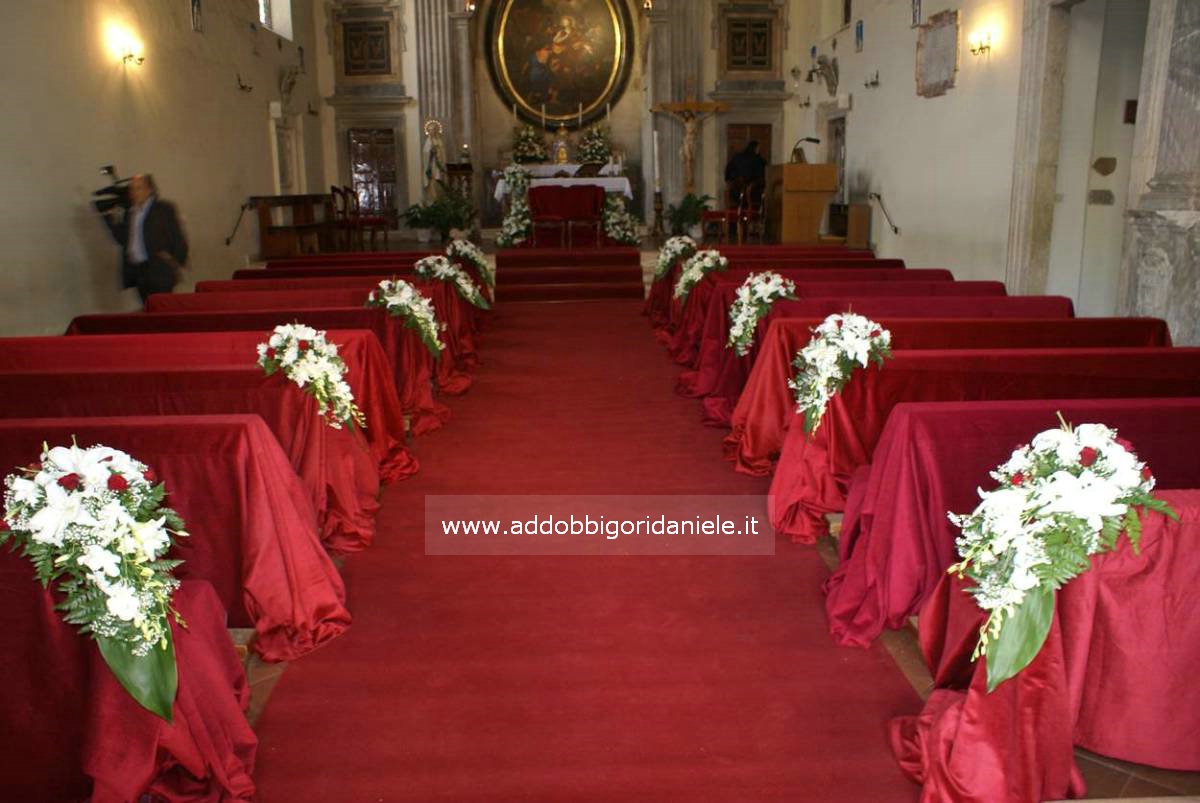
(92, 521)
(402, 300)
(696, 268)
(619, 225)
(840, 345)
(443, 270)
(754, 300)
(1066, 496)
(467, 252)
(306, 358)
(673, 250)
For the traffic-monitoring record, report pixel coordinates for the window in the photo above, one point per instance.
(748, 44)
(276, 16)
(367, 48)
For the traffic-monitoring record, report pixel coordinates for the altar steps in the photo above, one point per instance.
(559, 274)
(568, 291)
(556, 257)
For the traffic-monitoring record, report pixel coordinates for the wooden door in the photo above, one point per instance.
(738, 134)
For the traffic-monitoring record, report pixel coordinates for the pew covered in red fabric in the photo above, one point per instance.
(253, 529)
(684, 346)
(368, 372)
(457, 314)
(660, 306)
(1117, 676)
(814, 471)
(765, 405)
(336, 465)
(411, 363)
(349, 258)
(71, 731)
(896, 541)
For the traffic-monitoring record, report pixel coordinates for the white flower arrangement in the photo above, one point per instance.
(754, 300)
(528, 145)
(594, 146)
(673, 250)
(696, 268)
(619, 225)
(438, 268)
(401, 299)
(840, 345)
(465, 251)
(92, 520)
(517, 226)
(1066, 496)
(312, 363)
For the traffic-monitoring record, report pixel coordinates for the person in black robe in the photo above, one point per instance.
(745, 170)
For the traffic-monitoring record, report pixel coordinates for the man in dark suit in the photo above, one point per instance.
(154, 249)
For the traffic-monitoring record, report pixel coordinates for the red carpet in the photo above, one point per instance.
(580, 678)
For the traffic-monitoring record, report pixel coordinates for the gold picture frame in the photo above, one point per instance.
(563, 63)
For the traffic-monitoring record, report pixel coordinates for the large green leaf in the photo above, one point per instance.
(151, 679)
(1021, 636)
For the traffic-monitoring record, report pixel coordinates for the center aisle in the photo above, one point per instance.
(580, 678)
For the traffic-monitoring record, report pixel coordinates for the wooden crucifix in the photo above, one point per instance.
(691, 113)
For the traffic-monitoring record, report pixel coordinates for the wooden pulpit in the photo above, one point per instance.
(797, 195)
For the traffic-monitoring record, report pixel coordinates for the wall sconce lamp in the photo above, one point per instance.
(872, 81)
(469, 7)
(806, 103)
(980, 42)
(647, 5)
(132, 58)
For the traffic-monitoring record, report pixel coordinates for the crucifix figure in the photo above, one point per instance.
(691, 113)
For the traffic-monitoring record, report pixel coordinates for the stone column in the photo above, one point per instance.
(675, 66)
(435, 71)
(1161, 270)
(465, 83)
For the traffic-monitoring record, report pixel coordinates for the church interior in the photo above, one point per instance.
(600, 400)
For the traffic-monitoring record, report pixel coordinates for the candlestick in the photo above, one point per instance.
(608, 112)
(543, 115)
(581, 115)
(514, 114)
(657, 173)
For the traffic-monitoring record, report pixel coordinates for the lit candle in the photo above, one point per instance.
(581, 115)
(657, 181)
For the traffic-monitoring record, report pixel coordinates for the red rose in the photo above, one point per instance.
(270, 354)
(1146, 475)
(839, 323)
(1018, 478)
(117, 483)
(876, 332)
(303, 344)
(69, 481)
(149, 476)
(1087, 456)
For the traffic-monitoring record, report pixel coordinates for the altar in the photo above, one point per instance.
(611, 184)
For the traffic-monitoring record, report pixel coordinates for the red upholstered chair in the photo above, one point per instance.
(751, 216)
(371, 220)
(343, 225)
(723, 220)
(584, 205)
(546, 210)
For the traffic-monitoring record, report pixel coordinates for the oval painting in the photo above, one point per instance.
(568, 55)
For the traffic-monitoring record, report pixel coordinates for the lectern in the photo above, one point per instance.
(797, 195)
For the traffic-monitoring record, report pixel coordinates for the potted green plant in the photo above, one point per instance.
(449, 211)
(686, 216)
(417, 218)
